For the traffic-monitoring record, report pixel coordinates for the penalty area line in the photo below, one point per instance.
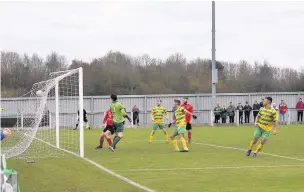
(239, 149)
(119, 176)
(208, 168)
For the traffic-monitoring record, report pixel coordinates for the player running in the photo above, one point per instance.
(85, 120)
(157, 116)
(180, 129)
(119, 115)
(107, 131)
(264, 123)
(189, 108)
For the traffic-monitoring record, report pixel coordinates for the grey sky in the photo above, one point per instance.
(251, 31)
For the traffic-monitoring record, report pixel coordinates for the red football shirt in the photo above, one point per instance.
(108, 118)
(283, 108)
(189, 108)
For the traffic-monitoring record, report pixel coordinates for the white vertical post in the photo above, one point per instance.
(237, 117)
(211, 118)
(21, 121)
(132, 119)
(288, 117)
(17, 121)
(57, 112)
(50, 120)
(81, 134)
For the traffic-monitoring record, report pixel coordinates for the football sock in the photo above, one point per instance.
(184, 143)
(166, 136)
(259, 148)
(116, 140)
(101, 141)
(251, 145)
(189, 135)
(151, 138)
(174, 142)
(109, 140)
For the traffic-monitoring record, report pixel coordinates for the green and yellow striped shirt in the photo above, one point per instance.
(266, 118)
(180, 117)
(158, 114)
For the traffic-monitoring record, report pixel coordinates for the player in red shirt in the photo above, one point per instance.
(189, 108)
(107, 131)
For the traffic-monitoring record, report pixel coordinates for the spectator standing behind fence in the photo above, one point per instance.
(261, 104)
(240, 108)
(255, 108)
(217, 113)
(135, 112)
(224, 114)
(300, 109)
(282, 110)
(247, 111)
(231, 112)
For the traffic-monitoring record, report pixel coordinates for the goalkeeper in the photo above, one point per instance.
(180, 129)
(85, 120)
(157, 116)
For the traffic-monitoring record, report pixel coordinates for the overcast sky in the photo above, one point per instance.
(272, 31)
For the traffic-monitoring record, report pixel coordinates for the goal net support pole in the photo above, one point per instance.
(81, 133)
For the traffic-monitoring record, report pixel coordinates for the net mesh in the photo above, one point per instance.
(34, 135)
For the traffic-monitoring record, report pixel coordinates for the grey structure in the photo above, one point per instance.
(97, 105)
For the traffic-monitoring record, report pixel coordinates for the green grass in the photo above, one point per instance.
(70, 174)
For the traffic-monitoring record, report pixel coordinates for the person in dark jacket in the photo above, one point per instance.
(217, 113)
(240, 108)
(262, 103)
(256, 107)
(135, 112)
(247, 111)
(224, 114)
(231, 112)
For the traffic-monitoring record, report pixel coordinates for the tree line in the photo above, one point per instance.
(121, 73)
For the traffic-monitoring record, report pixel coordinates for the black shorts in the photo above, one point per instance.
(109, 128)
(188, 126)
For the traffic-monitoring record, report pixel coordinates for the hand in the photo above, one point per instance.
(274, 131)
(104, 125)
(7, 132)
(256, 124)
(194, 116)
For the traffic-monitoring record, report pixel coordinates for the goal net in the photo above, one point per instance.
(47, 118)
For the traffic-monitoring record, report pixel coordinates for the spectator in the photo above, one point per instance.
(300, 109)
(240, 108)
(224, 114)
(282, 111)
(247, 109)
(231, 112)
(217, 113)
(256, 107)
(135, 112)
(262, 103)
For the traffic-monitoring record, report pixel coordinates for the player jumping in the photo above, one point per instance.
(189, 108)
(119, 115)
(157, 116)
(180, 130)
(264, 123)
(107, 131)
(85, 120)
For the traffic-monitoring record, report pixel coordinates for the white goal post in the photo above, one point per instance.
(46, 122)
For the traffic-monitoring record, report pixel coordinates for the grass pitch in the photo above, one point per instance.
(215, 163)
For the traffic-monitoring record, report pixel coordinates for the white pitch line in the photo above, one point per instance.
(239, 149)
(208, 168)
(119, 176)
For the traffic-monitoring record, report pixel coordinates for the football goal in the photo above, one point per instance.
(47, 118)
